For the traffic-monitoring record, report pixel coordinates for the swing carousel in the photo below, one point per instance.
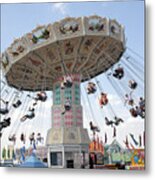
(57, 58)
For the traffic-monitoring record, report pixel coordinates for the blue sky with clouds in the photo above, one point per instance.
(18, 19)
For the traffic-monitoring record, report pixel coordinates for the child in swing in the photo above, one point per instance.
(67, 82)
(67, 106)
(103, 100)
(93, 128)
(5, 109)
(91, 88)
(30, 114)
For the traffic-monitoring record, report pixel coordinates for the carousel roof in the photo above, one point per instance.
(85, 45)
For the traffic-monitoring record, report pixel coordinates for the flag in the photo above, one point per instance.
(133, 139)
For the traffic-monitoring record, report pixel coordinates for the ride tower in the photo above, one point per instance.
(81, 47)
(67, 140)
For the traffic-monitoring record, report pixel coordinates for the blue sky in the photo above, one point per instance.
(18, 19)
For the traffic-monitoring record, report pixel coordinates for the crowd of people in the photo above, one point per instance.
(38, 139)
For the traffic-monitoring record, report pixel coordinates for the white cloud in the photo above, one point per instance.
(60, 8)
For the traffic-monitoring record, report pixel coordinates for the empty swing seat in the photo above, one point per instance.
(4, 111)
(17, 104)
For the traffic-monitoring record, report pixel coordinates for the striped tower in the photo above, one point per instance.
(67, 140)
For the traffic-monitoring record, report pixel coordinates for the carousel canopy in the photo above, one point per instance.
(86, 45)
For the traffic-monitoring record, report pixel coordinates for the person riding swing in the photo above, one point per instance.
(91, 88)
(17, 103)
(129, 100)
(103, 100)
(41, 96)
(133, 112)
(67, 106)
(109, 122)
(67, 82)
(29, 115)
(12, 138)
(4, 110)
(132, 84)
(118, 120)
(93, 128)
(140, 112)
(6, 122)
(142, 104)
(118, 73)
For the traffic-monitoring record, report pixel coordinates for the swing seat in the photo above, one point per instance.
(30, 116)
(131, 102)
(1, 126)
(11, 139)
(116, 123)
(43, 99)
(118, 74)
(31, 139)
(17, 104)
(103, 102)
(110, 123)
(91, 91)
(142, 107)
(67, 108)
(23, 119)
(97, 130)
(133, 113)
(68, 84)
(4, 111)
(5, 124)
(133, 86)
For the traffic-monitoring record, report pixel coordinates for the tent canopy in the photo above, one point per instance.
(33, 161)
